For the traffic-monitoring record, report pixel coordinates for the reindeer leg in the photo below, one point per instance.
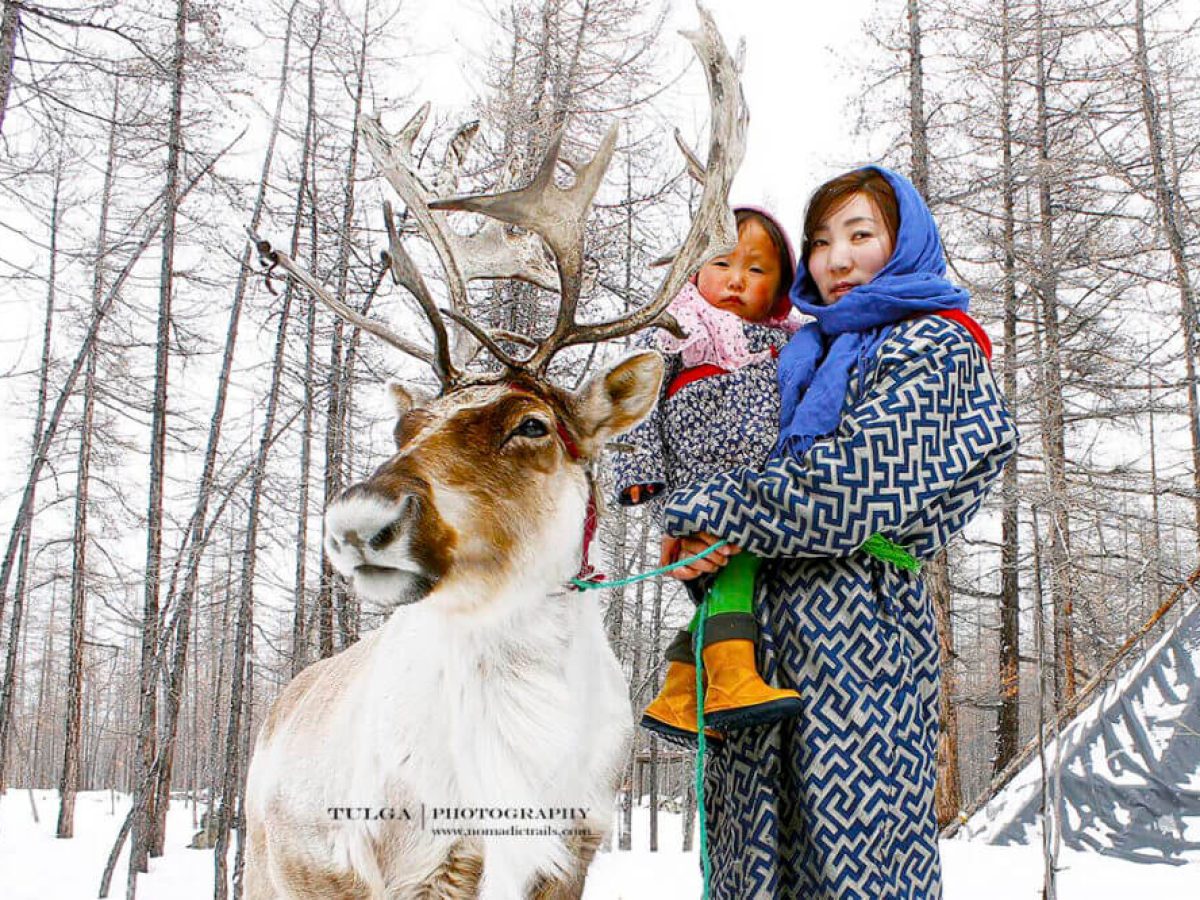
(584, 848)
(457, 878)
(258, 880)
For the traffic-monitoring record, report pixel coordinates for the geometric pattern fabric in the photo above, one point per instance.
(708, 426)
(837, 803)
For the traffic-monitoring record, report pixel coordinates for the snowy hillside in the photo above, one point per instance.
(36, 866)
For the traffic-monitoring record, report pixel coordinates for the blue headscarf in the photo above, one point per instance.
(814, 367)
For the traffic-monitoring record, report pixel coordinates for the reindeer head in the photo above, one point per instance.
(489, 484)
(491, 479)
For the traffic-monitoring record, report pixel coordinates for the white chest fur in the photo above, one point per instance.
(455, 716)
(507, 710)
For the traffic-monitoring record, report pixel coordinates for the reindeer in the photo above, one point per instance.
(490, 692)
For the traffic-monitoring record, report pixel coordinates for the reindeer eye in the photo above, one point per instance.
(531, 427)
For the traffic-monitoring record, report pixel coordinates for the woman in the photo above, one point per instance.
(891, 423)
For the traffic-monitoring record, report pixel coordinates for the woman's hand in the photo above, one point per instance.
(675, 549)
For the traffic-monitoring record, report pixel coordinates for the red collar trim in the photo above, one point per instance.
(568, 441)
(976, 330)
(695, 373)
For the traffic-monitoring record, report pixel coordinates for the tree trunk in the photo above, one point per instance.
(194, 536)
(948, 790)
(148, 715)
(236, 753)
(689, 816)
(916, 102)
(218, 636)
(656, 667)
(614, 616)
(69, 781)
(300, 625)
(635, 678)
(1166, 201)
(1008, 726)
(1053, 427)
(1049, 882)
(44, 678)
(8, 688)
(948, 793)
(9, 27)
(335, 436)
(1155, 516)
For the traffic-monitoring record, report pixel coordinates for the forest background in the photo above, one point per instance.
(176, 423)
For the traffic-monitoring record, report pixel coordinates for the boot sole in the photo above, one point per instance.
(677, 736)
(750, 716)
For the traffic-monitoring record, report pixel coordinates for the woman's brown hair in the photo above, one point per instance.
(836, 192)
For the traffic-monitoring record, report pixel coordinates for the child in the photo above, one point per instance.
(719, 409)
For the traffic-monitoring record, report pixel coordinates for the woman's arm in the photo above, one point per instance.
(913, 459)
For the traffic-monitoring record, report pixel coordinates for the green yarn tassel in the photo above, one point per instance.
(881, 548)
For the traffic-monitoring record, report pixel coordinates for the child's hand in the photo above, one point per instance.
(674, 549)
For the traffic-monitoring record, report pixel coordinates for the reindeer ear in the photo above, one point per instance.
(615, 401)
(402, 400)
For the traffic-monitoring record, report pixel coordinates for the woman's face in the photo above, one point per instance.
(848, 248)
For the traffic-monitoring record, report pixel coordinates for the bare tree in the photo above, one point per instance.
(301, 625)
(148, 719)
(1168, 204)
(9, 27)
(79, 568)
(195, 543)
(1008, 725)
(8, 686)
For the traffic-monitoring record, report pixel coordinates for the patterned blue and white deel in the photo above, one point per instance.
(837, 804)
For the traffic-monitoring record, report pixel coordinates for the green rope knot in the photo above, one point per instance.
(890, 552)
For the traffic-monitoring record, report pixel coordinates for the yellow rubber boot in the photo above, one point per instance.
(672, 713)
(736, 696)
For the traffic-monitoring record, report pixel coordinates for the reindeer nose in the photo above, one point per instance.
(361, 521)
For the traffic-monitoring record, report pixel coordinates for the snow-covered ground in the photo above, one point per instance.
(36, 866)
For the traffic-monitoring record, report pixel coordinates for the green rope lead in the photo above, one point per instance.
(698, 646)
(633, 579)
(876, 545)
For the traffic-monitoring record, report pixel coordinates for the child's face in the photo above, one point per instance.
(848, 248)
(744, 282)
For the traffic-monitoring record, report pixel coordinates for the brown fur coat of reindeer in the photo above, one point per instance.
(490, 696)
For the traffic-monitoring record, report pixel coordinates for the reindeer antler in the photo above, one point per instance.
(714, 227)
(490, 253)
(547, 216)
(559, 214)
